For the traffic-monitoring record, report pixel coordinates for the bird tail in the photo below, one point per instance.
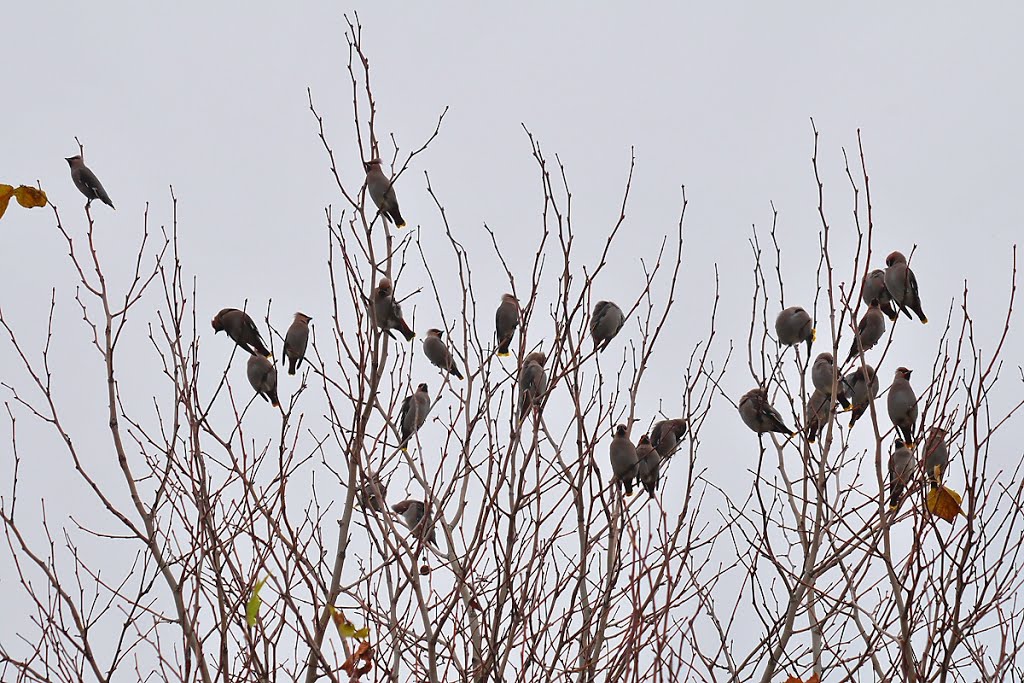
(292, 363)
(406, 332)
(896, 492)
(812, 432)
(455, 371)
(503, 347)
(273, 399)
(396, 216)
(920, 314)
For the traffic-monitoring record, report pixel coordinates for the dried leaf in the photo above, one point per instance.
(30, 197)
(945, 503)
(252, 608)
(6, 192)
(359, 662)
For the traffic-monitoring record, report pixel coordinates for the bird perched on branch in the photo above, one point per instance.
(861, 387)
(533, 382)
(902, 404)
(869, 330)
(816, 414)
(936, 455)
(295, 341)
(240, 327)
(823, 372)
(666, 435)
(902, 285)
(625, 465)
(648, 465)
(793, 325)
(87, 182)
(263, 378)
(414, 512)
(413, 414)
(438, 353)
(758, 414)
(382, 192)
(506, 320)
(873, 287)
(386, 312)
(605, 323)
(902, 466)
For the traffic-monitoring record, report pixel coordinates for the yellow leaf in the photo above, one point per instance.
(6, 192)
(945, 503)
(252, 608)
(30, 197)
(346, 629)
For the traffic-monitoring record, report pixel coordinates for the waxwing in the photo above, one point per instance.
(902, 466)
(413, 414)
(869, 330)
(902, 403)
(873, 287)
(387, 313)
(666, 435)
(506, 320)
(414, 512)
(87, 182)
(240, 327)
(648, 464)
(263, 378)
(816, 414)
(295, 341)
(822, 372)
(758, 414)
(437, 352)
(605, 323)
(902, 285)
(625, 465)
(861, 387)
(382, 192)
(936, 455)
(793, 326)
(533, 382)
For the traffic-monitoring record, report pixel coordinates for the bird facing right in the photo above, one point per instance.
(758, 414)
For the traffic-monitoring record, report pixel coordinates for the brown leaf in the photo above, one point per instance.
(360, 661)
(6, 192)
(30, 197)
(944, 503)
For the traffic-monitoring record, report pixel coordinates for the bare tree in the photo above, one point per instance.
(223, 555)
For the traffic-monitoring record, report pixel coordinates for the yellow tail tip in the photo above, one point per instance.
(403, 449)
(894, 508)
(814, 335)
(504, 355)
(924, 321)
(400, 225)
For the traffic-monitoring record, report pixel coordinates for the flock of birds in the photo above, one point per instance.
(887, 293)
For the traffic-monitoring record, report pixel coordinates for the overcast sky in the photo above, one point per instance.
(211, 98)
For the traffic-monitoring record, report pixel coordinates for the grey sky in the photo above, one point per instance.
(211, 98)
